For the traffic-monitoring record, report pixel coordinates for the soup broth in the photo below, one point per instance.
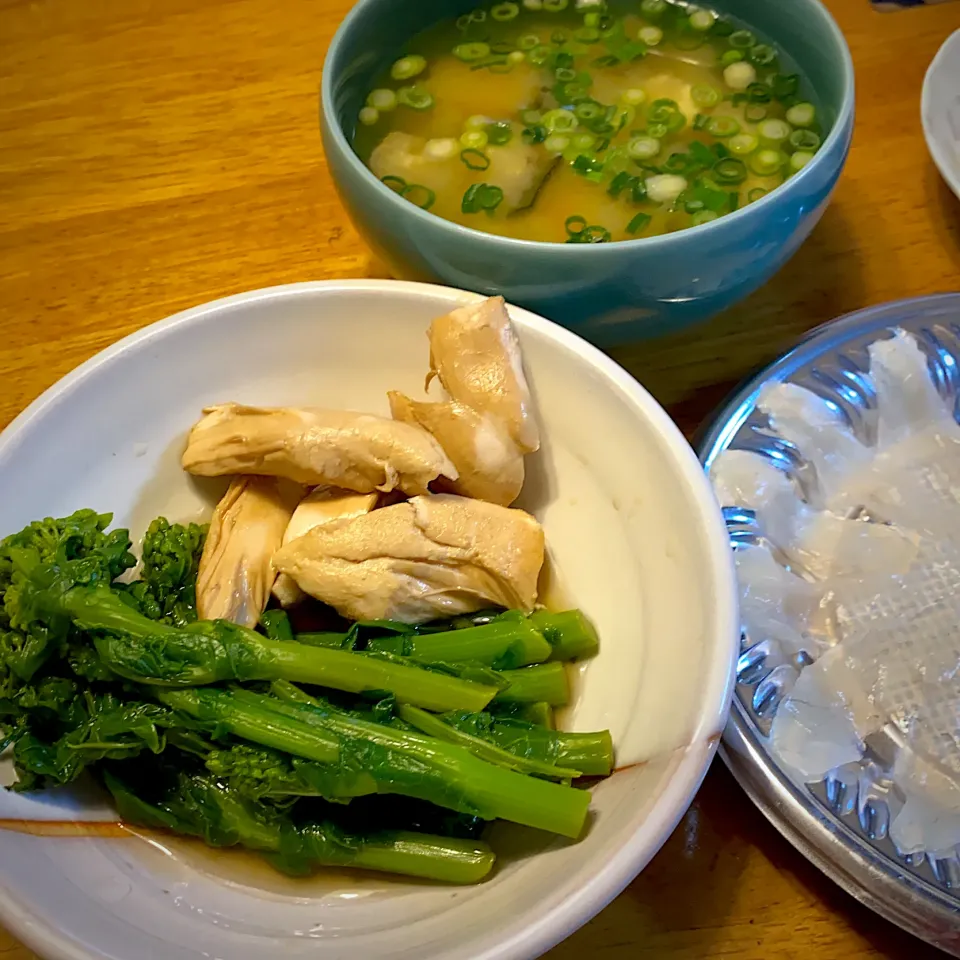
(557, 121)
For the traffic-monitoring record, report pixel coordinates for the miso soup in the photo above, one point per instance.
(557, 121)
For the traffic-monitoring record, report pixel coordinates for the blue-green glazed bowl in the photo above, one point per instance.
(609, 292)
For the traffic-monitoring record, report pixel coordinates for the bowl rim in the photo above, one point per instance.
(949, 47)
(841, 129)
(721, 625)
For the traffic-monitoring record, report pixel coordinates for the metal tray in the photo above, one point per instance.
(841, 831)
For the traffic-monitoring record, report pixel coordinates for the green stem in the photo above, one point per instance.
(503, 644)
(250, 722)
(450, 775)
(434, 727)
(571, 635)
(427, 856)
(544, 681)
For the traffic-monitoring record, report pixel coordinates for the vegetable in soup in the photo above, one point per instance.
(557, 121)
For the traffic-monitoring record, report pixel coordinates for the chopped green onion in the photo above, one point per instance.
(705, 96)
(702, 154)
(756, 193)
(419, 195)
(555, 6)
(396, 184)
(531, 117)
(805, 140)
(587, 35)
(441, 148)
(722, 126)
(802, 115)
(474, 139)
(650, 35)
(528, 41)
(504, 12)
(643, 148)
(754, 112)
(481, 196)
(633, 97)
(668, 112)
(774, 131)
(589, 110)
(415, 97)
(677, 163)
(587, 166)
(516, 56)
(582, 142)
(533, 4)
(738, 75)
(595, 234)
(762, 55)
(729, 57)
(638, 223)
(704, 216)
(478, 122)
(471, 52)
(800, 159)
(730, 171)
(501, 48)
(734, 200)
(560, 121)
(382, 99)
(493, 64)
(539, 55)
(759, 93)
(622, 181)
(623, 116)
(785, 86)
(556, 143)
(702, 20)
(535, 134)
(687, 38)
(558, 37)
(499, 133)
(490, 197)
(609, 60)
(575, 225)
(475, 159)
(657, 130)
(765, 163)
(369, 116)
(591, 19)
(664, 188)
(408, 67)
(653, 8)
(743, 144)
(741, 39)
(700, 121)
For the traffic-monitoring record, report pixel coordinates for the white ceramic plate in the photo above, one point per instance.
(940, 110)
(635, 537)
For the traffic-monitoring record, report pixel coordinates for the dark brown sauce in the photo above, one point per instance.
(67, 828)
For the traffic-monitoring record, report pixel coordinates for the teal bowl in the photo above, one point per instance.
(612, 292)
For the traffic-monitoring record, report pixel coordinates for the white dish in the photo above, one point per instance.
(636, 540)
(940, 110)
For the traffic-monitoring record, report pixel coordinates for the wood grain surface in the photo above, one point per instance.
(155, 154)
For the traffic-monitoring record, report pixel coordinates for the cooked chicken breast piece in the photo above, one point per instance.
(489, 463)
(236, 568)
(354, 451)
(319, 506)
(433, 556)
(476, 354)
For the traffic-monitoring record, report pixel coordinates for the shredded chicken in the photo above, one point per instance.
(433, 556)
(476, 354)
(236, 570)
(354, 451)
(489, 463)
(320, 506)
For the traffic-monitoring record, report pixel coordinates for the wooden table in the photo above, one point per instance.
(155, 154)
